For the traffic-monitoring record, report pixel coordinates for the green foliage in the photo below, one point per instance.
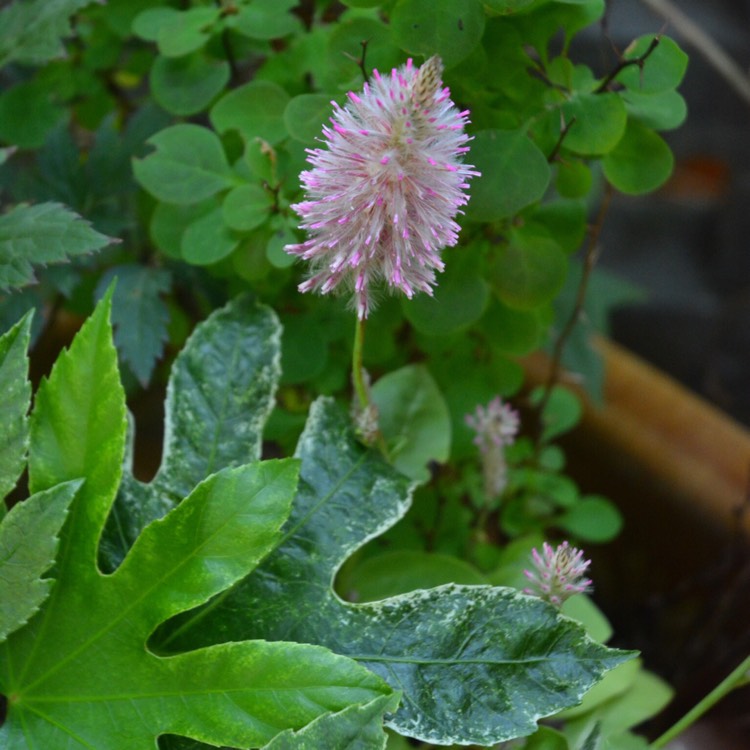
(188, 165)
(31, 30)
(255, 110)
(514, 173)
(360, 725)
(27, 114)
(28, 543)
(346, 493)
(640, 162)
(15, 399)
(237, 693)
(402, 571)
(38, 235)
(186, 85)
(664, 70)
(527, 270)
(182, 128)
(414, 420)
(139, 315)
(452, 33)
(256, 81)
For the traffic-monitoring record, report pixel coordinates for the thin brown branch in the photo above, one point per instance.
(360, 61)
(627, 63)
(589, 262)
(564, 130)
(536, 71)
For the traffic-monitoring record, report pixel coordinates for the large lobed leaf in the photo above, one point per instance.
(80, 674)
(220, 393)
(37, 235)
(477, 664)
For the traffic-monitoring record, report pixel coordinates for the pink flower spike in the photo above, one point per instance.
(495, 424)
(393, 155)
(496, 427)
(558, 573)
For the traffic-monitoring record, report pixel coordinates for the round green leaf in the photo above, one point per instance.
(565, 220)
(507, 7)
(581, 608)
(514, 171)
(402, 571)
(261, 160)
(599, 123)
(186, 85)
(121, 14)
(246, 207)
(207, 239)
(249, 259)
(414, 420)
(149, 23)
(188, 166)
(305, 114)
(186, 31)
(662, 70)
(593, 519)
(664, 110)
(168, 223)
(562, 413)
(459, 299)
(266, 19)
(641, 161)
(515, 332)
(256, 110)
(574, 179)
(362, 3)
(451, 31)
(275, 252)
(528, 270)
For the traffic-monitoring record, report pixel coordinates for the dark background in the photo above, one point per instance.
(688, 246)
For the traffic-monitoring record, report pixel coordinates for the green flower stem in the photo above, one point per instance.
(738, 677)
(361, 388)
(358, 372)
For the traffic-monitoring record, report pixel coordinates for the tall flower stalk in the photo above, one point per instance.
(384, 190)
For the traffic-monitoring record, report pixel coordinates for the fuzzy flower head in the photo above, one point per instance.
(496, 427)
(382, 195)
(558, 573)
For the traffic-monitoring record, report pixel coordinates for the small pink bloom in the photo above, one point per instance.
(382, 195)
(496, 424)
(558, 573)
(496, 427)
